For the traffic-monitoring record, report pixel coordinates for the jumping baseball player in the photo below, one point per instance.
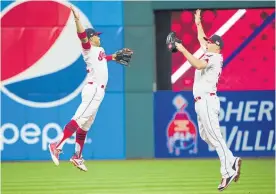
(92, 93)
(207, 104)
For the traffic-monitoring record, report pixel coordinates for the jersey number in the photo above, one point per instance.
(101, 56)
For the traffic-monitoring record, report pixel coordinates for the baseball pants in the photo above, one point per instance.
(92, 96)
(207, 109)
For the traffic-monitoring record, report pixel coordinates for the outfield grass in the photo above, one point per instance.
(135, 177)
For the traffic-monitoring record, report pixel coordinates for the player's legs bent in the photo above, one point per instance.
(75, 123)
(92, 97)
(68, 131)
(85, 116)
(81, 133)
(207, 109)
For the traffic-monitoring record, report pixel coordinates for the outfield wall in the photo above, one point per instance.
(42, 72)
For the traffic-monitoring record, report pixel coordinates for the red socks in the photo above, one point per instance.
(80, 139)
(68, 131)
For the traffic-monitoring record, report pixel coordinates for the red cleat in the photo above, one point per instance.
(78, 162)
(54, 153)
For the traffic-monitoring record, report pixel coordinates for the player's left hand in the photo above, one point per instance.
(171, 40)
(123, 56)
(179, 47)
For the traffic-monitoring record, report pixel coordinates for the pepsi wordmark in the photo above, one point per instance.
(31, 133)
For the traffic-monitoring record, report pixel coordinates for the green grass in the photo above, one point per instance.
(135, 177)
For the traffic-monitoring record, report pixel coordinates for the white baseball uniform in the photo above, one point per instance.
(94, 90)
(207, 107)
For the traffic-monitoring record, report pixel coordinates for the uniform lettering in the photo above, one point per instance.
(101, 56)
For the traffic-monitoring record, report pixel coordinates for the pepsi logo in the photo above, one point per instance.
(41, 59)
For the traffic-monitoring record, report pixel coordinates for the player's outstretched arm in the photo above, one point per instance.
(197, 63)
(80, 29)
(122, 56)
(111, 57)
(200, 31)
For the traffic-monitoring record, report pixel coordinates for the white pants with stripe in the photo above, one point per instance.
(92, 96)
(207, 109)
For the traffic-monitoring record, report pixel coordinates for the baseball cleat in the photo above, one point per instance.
(225, 182)
(78, 162)
(54, 153)
(237, 167)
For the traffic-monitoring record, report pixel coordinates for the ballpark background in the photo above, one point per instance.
(133, 146)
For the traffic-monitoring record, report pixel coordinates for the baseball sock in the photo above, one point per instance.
(68, 131)
(80, 138)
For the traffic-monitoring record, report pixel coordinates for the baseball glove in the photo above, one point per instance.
(123, 56)
(171, 40)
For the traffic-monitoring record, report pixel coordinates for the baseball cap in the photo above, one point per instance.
(216, 39)
(91, 32)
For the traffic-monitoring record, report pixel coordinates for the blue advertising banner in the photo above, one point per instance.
(43, 72)
(247, 121)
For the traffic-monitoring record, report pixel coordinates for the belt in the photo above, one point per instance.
(102, 86)
(199, 98)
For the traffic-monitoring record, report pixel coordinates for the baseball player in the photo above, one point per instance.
(92, 93)
(207, 104)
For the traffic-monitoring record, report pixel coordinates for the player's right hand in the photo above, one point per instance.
(197, 16)
(179, 47)
(76, 15)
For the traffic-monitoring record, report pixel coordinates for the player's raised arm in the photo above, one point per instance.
(80, 29)
(197, 63)
(200, 32)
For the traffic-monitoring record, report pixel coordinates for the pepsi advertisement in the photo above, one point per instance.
(247, 122)
(42, 75)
